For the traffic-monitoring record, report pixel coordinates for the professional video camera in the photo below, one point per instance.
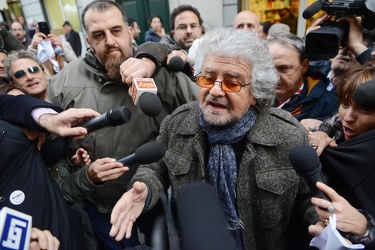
(325, 42)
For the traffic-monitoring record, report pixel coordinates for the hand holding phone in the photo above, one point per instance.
(44, 28)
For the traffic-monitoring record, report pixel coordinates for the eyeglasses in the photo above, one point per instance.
(183, 27)
(226, 85)
(21, 73)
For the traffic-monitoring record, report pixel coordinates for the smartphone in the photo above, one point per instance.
(44, 27)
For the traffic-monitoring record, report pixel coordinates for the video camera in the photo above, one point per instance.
(325, 42)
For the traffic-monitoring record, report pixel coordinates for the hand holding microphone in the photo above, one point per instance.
(113, 117)
(306, 163)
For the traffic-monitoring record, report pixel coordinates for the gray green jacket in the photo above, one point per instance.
(267, 188)
(83, 83)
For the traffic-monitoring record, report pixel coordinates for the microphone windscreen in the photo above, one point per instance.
(150, 152)
(312, 9)
(364, 95)
(150, 104)
(119, 115)
(304, 159)
(176, 64)
(201, 220)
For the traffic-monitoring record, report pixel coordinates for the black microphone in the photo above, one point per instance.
(176, 64)
(201, 220)
(113, 117)
(145, 154)
(312, 9)
(364, 94)
(150, 104)
(306, 163)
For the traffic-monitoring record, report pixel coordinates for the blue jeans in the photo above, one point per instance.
(101, 226)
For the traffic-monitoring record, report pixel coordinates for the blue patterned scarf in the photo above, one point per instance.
(222, 166)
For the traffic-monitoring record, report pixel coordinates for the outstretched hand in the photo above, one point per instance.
(127, 210)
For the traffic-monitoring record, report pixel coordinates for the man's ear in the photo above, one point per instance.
(305, 65)
(172, 33)
(88, 41)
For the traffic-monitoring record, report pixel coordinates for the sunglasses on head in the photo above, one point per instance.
(21, 73)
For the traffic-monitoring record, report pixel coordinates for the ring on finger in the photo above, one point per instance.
(331, 208)
(326, 222)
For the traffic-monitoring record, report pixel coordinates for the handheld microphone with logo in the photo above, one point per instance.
(201, 220)
(312, 9)
(144, 94)
(113, 117)
(176, 64)
(15, 229)
(145, 154)
(306, 163)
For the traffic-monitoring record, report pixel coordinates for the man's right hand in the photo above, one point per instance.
(64, 124)
(127, 210)
(37, 38)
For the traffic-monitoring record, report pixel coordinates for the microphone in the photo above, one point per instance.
(15, 229)
(312, 9)
(144, 94)
(113, 117)
(145, 154)
(176, 64)
(306, 163)
(364, 94)
(201, 219)
(150, 104)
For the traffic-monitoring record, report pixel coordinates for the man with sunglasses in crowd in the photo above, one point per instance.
(233, 139)
(25, 71)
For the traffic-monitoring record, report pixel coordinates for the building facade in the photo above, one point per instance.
(221, 12)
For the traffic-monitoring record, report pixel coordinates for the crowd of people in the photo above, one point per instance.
(242, 99)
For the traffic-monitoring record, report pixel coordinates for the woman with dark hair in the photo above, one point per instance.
(156, 30)
(345, 143)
